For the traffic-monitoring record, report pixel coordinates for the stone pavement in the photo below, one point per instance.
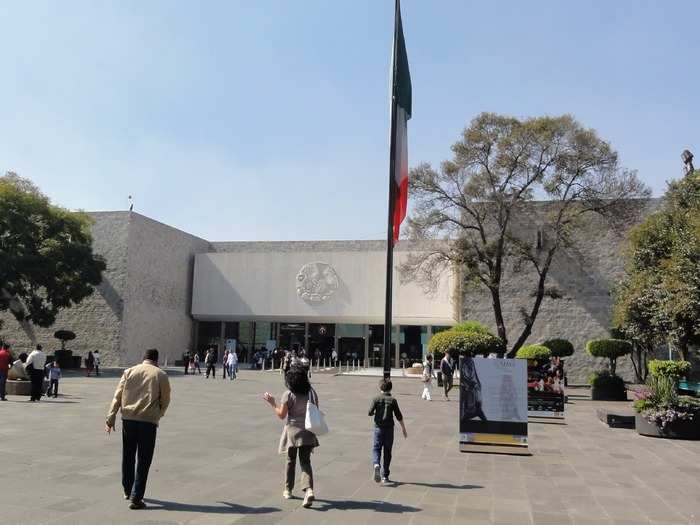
(216, 463)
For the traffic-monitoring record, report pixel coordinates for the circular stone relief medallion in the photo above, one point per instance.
(316, 282)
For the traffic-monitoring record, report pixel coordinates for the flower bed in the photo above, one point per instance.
(661, 412)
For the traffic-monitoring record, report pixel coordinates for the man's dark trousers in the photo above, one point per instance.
(383, 440)
(37, 379)
(138, 441)
(3, 383)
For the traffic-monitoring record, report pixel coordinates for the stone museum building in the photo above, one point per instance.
(167, 289)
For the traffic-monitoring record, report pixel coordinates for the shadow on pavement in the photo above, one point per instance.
(223, 508)
(376, 506)
(439, 485)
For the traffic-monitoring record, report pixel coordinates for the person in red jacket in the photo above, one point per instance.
(5, 362)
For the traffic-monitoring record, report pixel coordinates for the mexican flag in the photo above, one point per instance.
(400, 114)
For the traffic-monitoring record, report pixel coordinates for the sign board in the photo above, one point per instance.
(493, 405)
(230, 345)
(545, 389)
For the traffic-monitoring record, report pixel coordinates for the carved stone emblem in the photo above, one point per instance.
(316, 282)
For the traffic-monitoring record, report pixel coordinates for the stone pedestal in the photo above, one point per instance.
(15, 387)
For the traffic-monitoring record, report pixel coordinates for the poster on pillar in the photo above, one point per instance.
(493, 405)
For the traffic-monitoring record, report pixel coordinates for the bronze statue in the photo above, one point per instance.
(687, 157)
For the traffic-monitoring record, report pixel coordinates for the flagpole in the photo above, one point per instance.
(392, 195)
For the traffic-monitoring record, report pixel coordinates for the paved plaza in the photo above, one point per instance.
(216, 463)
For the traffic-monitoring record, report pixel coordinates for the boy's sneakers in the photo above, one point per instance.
(377, 477)
(308, 498)
(287, 494)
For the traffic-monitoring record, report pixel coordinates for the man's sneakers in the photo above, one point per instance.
(137, 505)
(287, 494)
(308, 498)
(386, 481)
(377, 477)
(127, 496)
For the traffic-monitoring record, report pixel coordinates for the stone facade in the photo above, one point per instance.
(143, 301)
(584, 274)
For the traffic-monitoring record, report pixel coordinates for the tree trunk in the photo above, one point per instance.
(683, 350)
(530, 321)
(498, 314)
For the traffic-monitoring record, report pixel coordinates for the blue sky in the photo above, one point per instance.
(268, 119)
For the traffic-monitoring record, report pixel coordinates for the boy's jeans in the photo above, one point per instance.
(383, 439)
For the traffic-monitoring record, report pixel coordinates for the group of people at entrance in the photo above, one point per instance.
(143, 397)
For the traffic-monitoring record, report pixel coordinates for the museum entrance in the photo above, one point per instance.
(376, 347)
(321, 341)
(291, 336)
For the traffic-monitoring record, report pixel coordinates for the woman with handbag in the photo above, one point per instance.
(296, 440)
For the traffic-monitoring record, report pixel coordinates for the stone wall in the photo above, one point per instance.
(160, 262)
(97, 320)
(584, 274)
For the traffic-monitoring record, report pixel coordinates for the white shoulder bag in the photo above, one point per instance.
(315, 421)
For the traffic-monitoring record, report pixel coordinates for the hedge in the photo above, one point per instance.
(464, 343)
(559, 347)
(471, 326)
(673, 369)
(533, 352)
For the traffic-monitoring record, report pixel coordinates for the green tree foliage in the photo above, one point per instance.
(659, 299)
(471, 326)
(673, 369)
(533, 352)
(46, 254)
(464, 343)
(473, 205)
(610, 349)
(559, 347)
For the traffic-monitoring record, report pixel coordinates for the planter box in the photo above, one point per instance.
(676, 430)
(608, 393)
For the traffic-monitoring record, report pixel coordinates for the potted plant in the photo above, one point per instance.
(605, 384)
(661, 412)
(64, 357)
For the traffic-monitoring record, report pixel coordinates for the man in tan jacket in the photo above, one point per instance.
(143, 395)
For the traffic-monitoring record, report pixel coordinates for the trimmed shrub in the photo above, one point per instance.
(464, 343)
(609, 349)
(607, 386)
(674, 370)
(604, 378)
(471, 326)
(559, 347)
(533, 352)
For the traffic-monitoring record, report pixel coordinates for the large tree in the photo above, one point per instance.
(475, 204)
(658, 301)
(46, 257)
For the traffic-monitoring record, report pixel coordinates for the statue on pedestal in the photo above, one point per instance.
(687, 157)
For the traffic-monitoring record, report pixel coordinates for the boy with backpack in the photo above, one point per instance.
(384, 408)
